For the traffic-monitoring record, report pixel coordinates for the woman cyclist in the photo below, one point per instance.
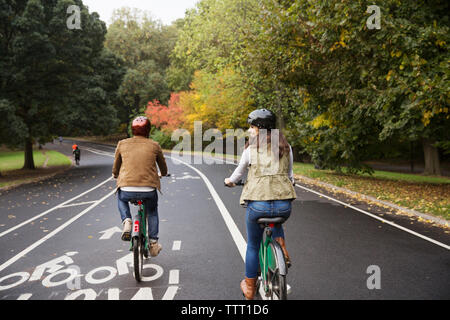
(268, 191)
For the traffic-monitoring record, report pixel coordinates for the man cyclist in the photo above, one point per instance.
(137, 178)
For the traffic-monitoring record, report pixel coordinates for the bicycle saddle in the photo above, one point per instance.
(274, 220)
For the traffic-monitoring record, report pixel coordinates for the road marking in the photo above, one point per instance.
(174, 276)
(77, 204)
(54, 232)
(99, 152)
(143, 294)
(231, 225)
(176, 245)
(107, 234)
(25, 296)
(113, 294)
(170, 293)
(52, 209)
(378, 218)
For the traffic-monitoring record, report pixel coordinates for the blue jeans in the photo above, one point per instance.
(256, 210)
(151, 207)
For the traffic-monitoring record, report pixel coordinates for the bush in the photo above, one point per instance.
(162, 138)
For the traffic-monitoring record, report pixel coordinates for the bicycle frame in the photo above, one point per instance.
(139, 226)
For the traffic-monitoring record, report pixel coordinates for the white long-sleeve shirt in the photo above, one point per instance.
(245, 162)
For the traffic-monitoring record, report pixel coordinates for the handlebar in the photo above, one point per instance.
(239, 183)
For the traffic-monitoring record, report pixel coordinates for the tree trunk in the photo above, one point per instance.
(431, 154)
(29, 161)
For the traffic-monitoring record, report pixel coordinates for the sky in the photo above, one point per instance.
(165, 10)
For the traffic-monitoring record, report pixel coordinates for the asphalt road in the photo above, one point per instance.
(60, 239)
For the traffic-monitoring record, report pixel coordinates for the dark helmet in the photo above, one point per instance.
(141, 127)
(263, 119)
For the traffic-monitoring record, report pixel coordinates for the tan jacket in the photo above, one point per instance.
(268, 178)
(135, 163)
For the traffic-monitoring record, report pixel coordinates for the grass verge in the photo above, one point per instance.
(11, 163)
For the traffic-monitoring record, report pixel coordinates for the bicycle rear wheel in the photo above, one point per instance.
(276, 286)
(138, 258)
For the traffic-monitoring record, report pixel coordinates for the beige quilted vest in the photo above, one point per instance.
(268, 177)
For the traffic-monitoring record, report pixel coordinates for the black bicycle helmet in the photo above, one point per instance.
(263, 119)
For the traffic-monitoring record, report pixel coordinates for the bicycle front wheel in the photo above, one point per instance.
(138, 258)
(276, 286)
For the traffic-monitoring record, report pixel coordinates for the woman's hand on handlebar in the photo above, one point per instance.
(228, 183)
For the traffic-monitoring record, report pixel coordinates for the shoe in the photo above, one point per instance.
(282, 243)
(248, 287)
(126, 233)
(155, 248)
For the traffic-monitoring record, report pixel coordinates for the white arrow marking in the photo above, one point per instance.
(107, 234)
(122, 264)
(187, 177)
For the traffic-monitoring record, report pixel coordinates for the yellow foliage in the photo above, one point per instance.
(441, 43)
(426, 117)
(389, 75)
(321, 121)
(218, 100)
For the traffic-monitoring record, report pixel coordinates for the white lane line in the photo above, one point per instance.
(52, 209)
(231, 225)
(378, 218)
(99, 152)
(77, 204)
(53, 233)
(176, 245)
(174, 276)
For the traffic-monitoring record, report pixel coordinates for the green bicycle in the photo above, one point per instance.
(139, 238)
(273, 269)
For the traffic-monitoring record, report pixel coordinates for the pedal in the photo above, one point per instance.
(126, 236)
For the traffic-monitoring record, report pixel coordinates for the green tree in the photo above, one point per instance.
(344, 88)
(49, 77)
(144, 45)
(210, 39)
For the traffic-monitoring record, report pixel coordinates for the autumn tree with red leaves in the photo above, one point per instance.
(166, 118)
